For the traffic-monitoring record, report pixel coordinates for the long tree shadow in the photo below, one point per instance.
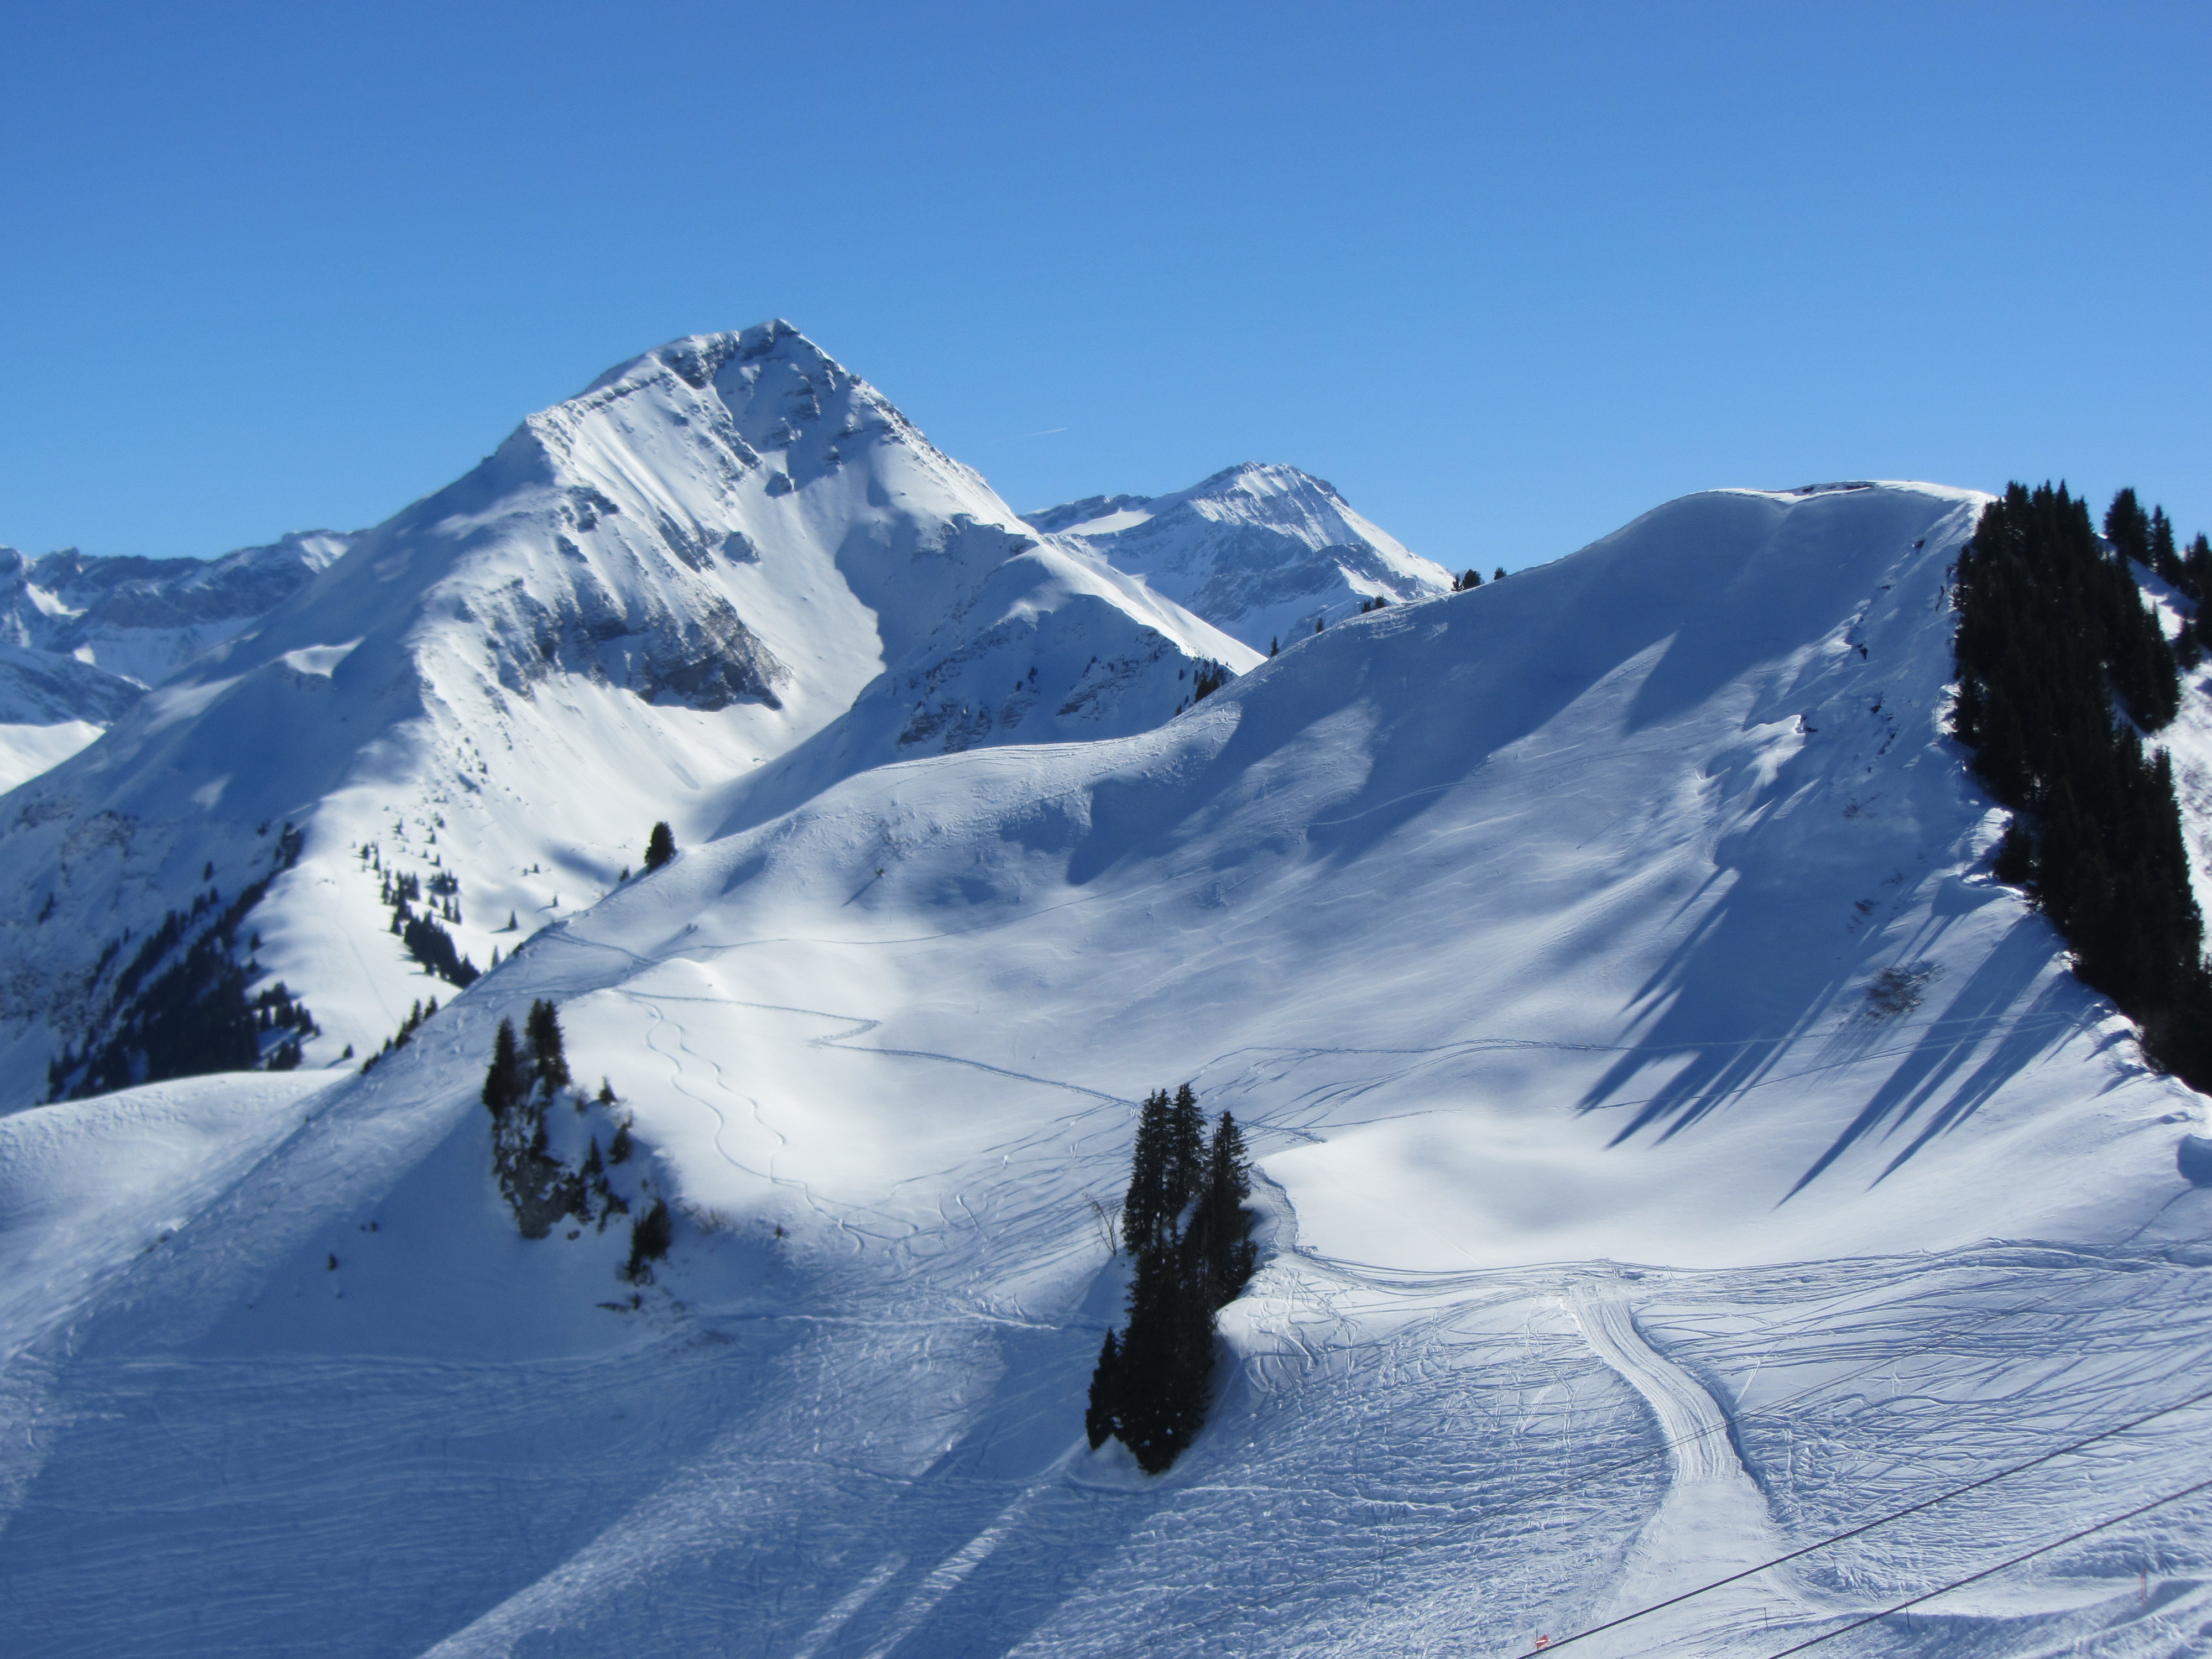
(1993, 991)
(994, 1538)
(1730, 1032)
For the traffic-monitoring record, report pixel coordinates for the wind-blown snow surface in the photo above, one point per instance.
(685, 571)
(1674, 1150)
(1261, 552)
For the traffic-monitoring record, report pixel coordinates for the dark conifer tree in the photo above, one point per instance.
(548, 1061)
(1222, 1251)
(1186, 1152)
(2164, 556)
(508, 1081)
(650, 1235)
(659, 847)
(1164, 1365)
(2197, 568)
(1147, 1210)
(2128, 527)
(1099, 1421)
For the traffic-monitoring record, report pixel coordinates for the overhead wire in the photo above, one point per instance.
(1667, 1447)
(1990, 1572)
(1880, 1521)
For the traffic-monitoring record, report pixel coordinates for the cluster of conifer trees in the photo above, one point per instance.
(426, 940)
(527, 1075)
(1185, 1225)
(405, 1035)
(2062, 670)
(189, 1017)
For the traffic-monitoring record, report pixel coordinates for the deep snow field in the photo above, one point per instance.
(1674, 1150)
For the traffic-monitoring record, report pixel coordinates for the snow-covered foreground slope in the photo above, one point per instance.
(1676, 1152)
(649, 590)
(1261, 552)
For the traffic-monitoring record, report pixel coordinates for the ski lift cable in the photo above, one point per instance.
(1633, 1459)
(1879, 1521)
(1987, 1572)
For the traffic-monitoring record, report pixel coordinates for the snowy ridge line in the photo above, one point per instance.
(1988, 1573)
(1349, 1271)
(1898, 1514)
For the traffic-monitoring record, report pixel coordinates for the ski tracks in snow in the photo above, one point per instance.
(1713, 1521)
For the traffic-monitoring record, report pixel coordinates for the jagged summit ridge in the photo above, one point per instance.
(1263, 552)
(645, 593)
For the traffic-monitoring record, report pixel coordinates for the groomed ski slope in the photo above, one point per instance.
(1603, 967)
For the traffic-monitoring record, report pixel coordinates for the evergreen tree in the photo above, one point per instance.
(2197, 568)
(1186, 1152)
(2128, 527)
(650, 1235)
(1470, 579)
(1163, 1368)
(1275, 646)
(548, 1061)
(2164, 556)
(508, 1081)
(659, 847)
(1499, 575)
(1147, 1211)
(1099, 1421)
(1223, 1253)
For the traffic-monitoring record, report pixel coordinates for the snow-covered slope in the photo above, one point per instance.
(1261, 552)
(1641, 1065)
(79, 638)
(647, 590)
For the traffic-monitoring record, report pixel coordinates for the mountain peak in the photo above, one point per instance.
(1262, 551)
(698, 359)
(1259, 478)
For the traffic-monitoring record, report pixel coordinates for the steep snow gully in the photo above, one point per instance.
(1674, 1151)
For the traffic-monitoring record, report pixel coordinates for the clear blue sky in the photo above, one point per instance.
(1507, 275)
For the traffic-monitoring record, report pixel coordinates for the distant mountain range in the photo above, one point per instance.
(81, 638)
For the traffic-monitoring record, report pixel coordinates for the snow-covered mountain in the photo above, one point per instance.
(1261, 552)
(649, 590)
(1676, 1152)
(79, 638)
